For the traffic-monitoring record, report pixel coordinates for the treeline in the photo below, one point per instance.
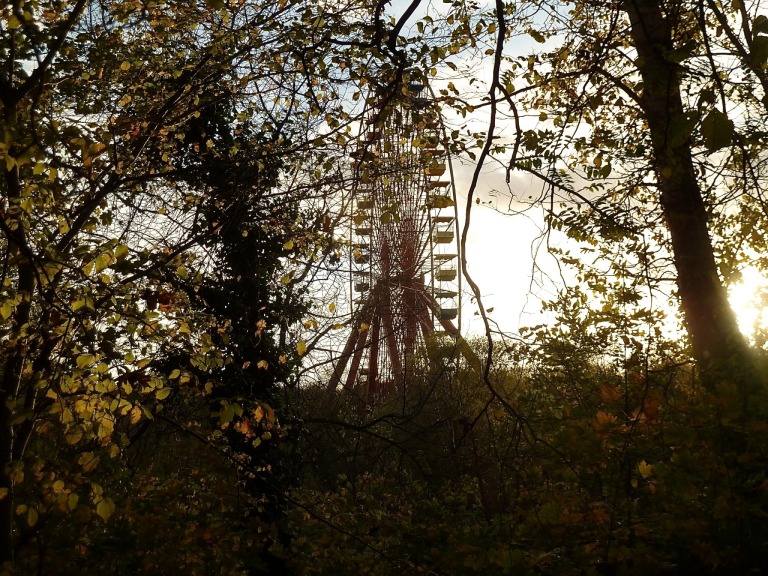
(561, 464)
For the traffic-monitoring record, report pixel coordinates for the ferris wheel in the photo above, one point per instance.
(404, 283)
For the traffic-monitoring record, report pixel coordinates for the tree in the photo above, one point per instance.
(648, 134)
(109, 209)
(715, 336)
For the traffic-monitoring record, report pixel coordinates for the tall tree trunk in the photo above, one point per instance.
(718, 346)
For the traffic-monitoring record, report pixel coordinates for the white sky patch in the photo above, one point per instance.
(506, 253)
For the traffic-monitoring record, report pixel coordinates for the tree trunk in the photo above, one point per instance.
(718, 346)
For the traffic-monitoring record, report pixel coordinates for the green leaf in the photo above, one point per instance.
(301, 348)
(717, 130)
(681, 127)
(226, 414)
(759, 53)
(760, 25)
(121, 251)
(683, 53)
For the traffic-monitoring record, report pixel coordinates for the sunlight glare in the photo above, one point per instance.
(748, 299)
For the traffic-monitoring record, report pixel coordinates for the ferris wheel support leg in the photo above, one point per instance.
(461, 345)
(362, 337)
(349, 347)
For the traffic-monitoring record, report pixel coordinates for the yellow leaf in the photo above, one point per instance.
(85, 360)
(301, 348)
(163, 393)
(645, 469)
(283, 358)
(58, 486)
(102, 261)
(288, 245)
(32, 516)
(88, 461)
(440, 201)
(263, 364)
(258, 414)
(135, 414)
(74, 437)
(332, 307)
(72, 501)
(125, 65)
(3, 493)
(6, 310)
(105, 508)
(363, 327)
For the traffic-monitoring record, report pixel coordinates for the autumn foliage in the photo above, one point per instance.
(174, 193)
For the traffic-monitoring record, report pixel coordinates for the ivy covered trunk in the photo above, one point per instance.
(14, 394)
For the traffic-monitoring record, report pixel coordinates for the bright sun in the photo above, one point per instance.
(749, 299)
